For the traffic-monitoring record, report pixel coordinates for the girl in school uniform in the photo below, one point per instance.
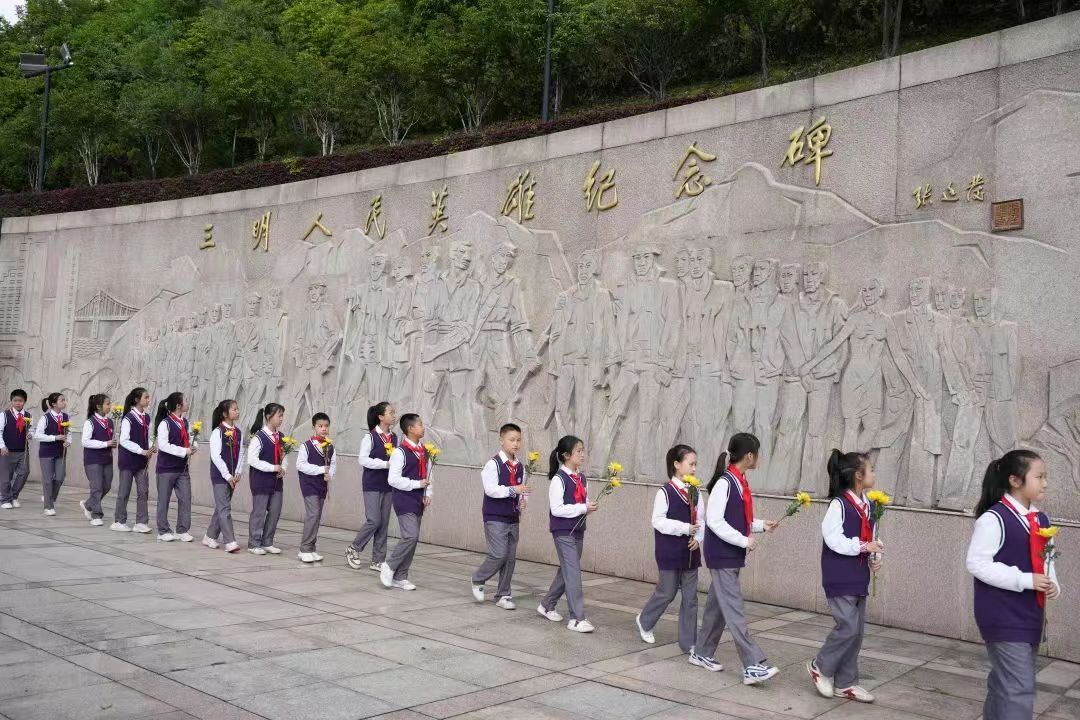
(97, 443)
(678, 520)
(848, 555)
(132, 459)
(226, 466)
(54, 438)
(1011, 582)
(568, 500)
(174, 451)
(266, 460)
(729, 522)
(316, 465)
(378, 495)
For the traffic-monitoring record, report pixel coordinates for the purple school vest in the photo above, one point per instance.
(719, 554)
(503, 509)
(409, 501)
(138, 433)
(672, 552)
(230, 453)
(1005, 615)
(376, 480)
(315, 484)
(846, 575)
(14, 440)
(167, 463)
(265, 483)
(52, 427)
(99, 456)
(564, 526)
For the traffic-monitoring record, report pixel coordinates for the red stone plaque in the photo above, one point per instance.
(1007, 215)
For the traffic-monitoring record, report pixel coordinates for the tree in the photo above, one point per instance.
(656, 41)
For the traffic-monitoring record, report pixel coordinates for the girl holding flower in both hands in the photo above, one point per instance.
(266, 460)
(54, 437)
(316, 465)
(132, 459)
(678, 518)
(97, 443)
(848, 554)
(226, 466)
(1007, 556)
(568, 498)
(176, 445)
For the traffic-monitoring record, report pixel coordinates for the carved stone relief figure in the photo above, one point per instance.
(676, 399)
(314, 351)
(248, 339)
(205, 356)
(422, 301)
(973, 365)
(765, 351)
(403, 348)
(366, 348)
(941, 298)
(187, 376)
(786, 452)
(740, 360)
(230, 356)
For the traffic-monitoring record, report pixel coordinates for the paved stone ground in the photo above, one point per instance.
(97, 624)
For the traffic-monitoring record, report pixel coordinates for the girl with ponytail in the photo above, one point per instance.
(375, 449)
(132, 459)
(226, 466)
(568, 498)
(848, 554)
(98, 443)
(1012, 582)
(54, 438)
(266, 460)
(175, 448)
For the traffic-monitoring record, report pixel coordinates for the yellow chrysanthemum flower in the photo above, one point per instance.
(803, 498)
(879, 497)
(614, 468)
(616, 483)
(326, 442)
(432, 450)
(691, 481)
(197, 425)
(389, 447)
(65, 424)
(229, 433)
(1048, 532)
(534, 456)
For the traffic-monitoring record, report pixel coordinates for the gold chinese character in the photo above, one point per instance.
(924, 196)
(260, 232)
(207, 241)
(594, 195)
(520, 196)
(373, 218)
(817, 137)
(317, 223)
(695, 181)
(438, 210)
(949, 194)
(976, 188)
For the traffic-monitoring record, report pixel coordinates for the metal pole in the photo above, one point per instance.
(545, 114)
(44, 136)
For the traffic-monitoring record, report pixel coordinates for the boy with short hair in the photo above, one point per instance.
(14, 433)
(505, 493)
(316, 465)
(410, 477)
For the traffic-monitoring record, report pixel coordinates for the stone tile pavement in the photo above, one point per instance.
(97, 624)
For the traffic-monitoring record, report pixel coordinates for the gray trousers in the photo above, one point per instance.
(53, 471)
(221, 523)
(180, 483)
(724, 608)
(262, 524)
(568, 576)
(99, 478)
(502, 540)
(14, 469)
(377, 507)
(313, 505)
(839, 656)
(1010, 688)
(401, 558)
(142, 496)
(671, 582)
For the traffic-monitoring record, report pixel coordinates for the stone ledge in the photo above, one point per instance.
(867, 80)
(947, 61)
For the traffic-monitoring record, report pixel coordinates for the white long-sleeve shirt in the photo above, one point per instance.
(396, 480)
(125, 434)
(489, 475)
(87, 439)
(163, 443)
(218, 446)
(832, 528)
(714, 516)
(556, 493)
(255, 448)
(3, 423)
(986, 541)
(366, 461)
(39, 430)
(318, 467)
(663, 524)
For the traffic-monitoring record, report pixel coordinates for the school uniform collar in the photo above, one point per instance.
(227, 426)
(860, 499)
(267, 431)
(100, 417)
(678, 483)
(570, 473)
(415, 447)
(1015, 505)
(736, 473)
(381, 433)
(55, 414)
(506, 459)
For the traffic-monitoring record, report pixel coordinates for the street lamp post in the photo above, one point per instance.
(32, 65)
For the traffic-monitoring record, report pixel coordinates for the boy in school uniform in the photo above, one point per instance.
(14, 433)
(316, 465)
(410, 476)
(505, 494)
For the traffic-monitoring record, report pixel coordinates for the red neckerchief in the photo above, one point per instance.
(20, 420)
(104, 424)
(276, 437)
(317, 442)
(234, 446)
(514, 468)
(421, 455)
(139, 417)
(866, 533)
(581, 490)
(1037, 546)
(184, 442)
(388, 438)
(684, 493)
(747, 498)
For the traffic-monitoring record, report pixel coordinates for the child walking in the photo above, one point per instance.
(132, 459)
(729, 522)
(678, 517)
(54, 438)
(410, 477)
(316, 465)
(226, 467)
(505, 492)
(175, 448)
(14, 467)
(568, 501)
(378, 495)
(266, 458)
(98, 443)
(1012, 583)
(848, 555)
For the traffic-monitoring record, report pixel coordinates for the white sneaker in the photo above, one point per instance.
(257, 551)
(166, 537)
(184, 537)
(352, 558)
(141, 528)
(376, 566)
(87, 513)
(506, 603)
(210, 542)
(50, 512)
(551, 615)
(15, 503)
(705, 662)
(7, 506)
(646, 635)
(232, 547)
(317, 556)
(404, 585)
(271, 549)
(855, 693)
(119, 527)
(96, 522)
(306, 557)
(822, 684)
(581, 626)
(757, 674)
(386, 575)
(478, 593)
